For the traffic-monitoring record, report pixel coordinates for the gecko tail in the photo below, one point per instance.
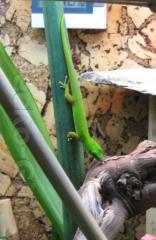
(95, 149)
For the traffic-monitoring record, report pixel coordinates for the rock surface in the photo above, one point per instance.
(142, 80)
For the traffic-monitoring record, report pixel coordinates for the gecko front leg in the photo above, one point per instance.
(69, 98)
(72, 135)
(65, 86)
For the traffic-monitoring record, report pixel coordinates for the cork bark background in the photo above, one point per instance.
(118, 118)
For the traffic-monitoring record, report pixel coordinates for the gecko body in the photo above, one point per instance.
(75, 98)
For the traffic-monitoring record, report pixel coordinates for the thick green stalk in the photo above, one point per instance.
(70, 153)
(28, 165)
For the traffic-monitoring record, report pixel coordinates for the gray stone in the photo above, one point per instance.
(140, 79)
(4, 183)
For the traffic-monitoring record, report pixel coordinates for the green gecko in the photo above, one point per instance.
(75, 98)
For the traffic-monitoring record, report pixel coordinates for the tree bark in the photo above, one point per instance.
(120, 187)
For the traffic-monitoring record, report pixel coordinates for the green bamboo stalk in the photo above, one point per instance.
(28, 165)
(70, 154)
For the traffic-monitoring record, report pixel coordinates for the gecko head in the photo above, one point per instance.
(95, 149)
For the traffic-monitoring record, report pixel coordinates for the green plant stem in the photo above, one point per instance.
(70, 154)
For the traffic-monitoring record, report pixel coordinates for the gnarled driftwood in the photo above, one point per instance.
(120, 187)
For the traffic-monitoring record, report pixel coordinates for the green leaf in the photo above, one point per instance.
(19, 84)
(28, 165)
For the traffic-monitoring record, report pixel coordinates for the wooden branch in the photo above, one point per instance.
(120, 187)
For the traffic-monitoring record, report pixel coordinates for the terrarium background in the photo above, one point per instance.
(117, 117)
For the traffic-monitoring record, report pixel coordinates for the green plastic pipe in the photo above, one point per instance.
(37, 180)
(47, 160)
(70, 154)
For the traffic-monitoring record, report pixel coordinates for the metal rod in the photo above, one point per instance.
(47, 160)
(138, 3)
(142, 3)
